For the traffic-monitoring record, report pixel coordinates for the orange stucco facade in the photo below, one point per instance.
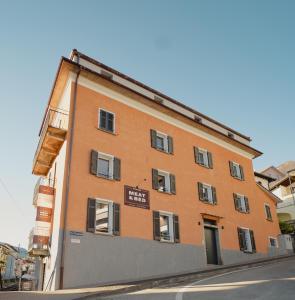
(131, 143)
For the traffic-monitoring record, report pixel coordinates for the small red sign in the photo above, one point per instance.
(136, 197)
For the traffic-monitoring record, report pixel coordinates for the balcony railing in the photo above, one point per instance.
(37, 248)
(48, 182)
(52, 136)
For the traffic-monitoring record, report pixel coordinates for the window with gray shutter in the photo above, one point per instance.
(91, 215)
(106, 120)
(170, 144)
(252, 241)
(210, 160)
(93, 162)
(116, 219)
(200, 191)
(176, 229)
(241, 237)
(117, 168)
(214, 195)
(153, 138)
(231, 168)
(156, 226)
(172, 184)
(242, 173)
(155, 181)
(196, 153)
(247, 204)
(236, 202)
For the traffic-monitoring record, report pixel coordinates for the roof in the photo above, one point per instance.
(266, 177)
(160, 94)
(285, 181)
(286, 166)
(269, 193)
(67, 65)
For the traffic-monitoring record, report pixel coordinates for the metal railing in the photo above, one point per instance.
(55, 118)
(42, 181)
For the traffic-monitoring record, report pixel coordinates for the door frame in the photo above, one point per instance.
(217, 239)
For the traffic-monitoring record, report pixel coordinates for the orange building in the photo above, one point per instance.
(144, 186)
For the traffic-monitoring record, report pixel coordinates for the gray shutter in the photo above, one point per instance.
(93, 162)
(176, 229)
(117, 169)
(200, 190)
(252, 241)
(156, 225)
(231, 168)
(210, 160)
(241, 239)
(236, 201)
(242, 173)
(154, 138)
(155, 181)
(196, 152)
(116, 219)
(172, 184)
(170, 144)
(247, 204)
(214, 195)
(91, 215)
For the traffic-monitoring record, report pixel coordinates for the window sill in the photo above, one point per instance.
(104, 234)
(243, 212)
(167, 242)
(207, 202)
(238, 178)
(163, 192)
(106, 131)
(204, 166)
(269, 220)
(106, 178)
(163, 151)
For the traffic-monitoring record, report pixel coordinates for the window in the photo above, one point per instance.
(246, 240)
(161, 141)
(163, 181)
(236, 170)
(241, 203)
(273, 242)
(105, 165)
(103, 216)
(203, 157)
(166, 227)
(268, 212)
(106, 120)
(207, 193)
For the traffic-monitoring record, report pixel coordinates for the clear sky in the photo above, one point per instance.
(232, 60)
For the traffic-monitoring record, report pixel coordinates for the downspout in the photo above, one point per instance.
(71, 138)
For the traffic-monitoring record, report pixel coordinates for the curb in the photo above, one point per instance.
(181, 278)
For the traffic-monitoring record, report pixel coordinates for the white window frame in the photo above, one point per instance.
(170, 226)
(165, 139)
(110, 204)
(276, 242)
(114, 120)
(265, 211)
(243, 207)
(239, 175)
(248, 240)
(205, 154)
(110, 158)
(167, 181)
(210, 194)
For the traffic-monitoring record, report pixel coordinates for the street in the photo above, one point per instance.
(271, 282)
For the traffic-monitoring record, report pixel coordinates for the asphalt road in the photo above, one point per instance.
(270, 282)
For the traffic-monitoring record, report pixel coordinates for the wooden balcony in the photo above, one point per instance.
(38, 245)
(52, 137)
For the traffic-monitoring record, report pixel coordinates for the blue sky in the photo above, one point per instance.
(232, 60)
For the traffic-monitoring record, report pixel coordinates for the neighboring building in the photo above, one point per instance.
(8, 255)
(137, 185)
(284, 188)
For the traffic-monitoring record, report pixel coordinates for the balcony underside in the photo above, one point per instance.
(38, 252)
(49, 149)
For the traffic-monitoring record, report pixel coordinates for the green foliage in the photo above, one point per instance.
(286, 228)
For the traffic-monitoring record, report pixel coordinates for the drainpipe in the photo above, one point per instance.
(71, 138)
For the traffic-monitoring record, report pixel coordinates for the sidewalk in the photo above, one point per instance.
(96, 292)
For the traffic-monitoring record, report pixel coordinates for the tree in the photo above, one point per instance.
(286, 228)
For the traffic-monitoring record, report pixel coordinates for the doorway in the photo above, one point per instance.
(211, 243)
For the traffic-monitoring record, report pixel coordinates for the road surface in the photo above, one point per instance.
(270, 282)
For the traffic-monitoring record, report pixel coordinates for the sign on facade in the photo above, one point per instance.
(136, 197)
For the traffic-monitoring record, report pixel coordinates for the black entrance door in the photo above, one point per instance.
(211, 246)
